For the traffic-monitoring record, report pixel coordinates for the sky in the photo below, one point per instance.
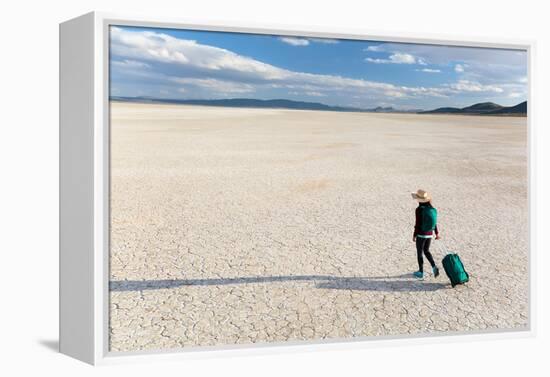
(189, 64)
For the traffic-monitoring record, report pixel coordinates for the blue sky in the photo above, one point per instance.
(186, 64)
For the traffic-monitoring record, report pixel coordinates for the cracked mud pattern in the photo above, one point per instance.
(240, 226)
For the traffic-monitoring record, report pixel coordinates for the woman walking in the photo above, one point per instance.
(424, 229)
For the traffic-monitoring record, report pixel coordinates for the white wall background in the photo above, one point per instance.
(29, 183)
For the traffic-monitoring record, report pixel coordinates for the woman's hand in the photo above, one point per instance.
(437, 236)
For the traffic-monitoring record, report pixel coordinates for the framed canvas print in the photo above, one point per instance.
(226, 187)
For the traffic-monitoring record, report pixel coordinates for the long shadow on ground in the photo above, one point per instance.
(400, 283)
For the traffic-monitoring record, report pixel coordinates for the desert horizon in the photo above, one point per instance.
(482, 108)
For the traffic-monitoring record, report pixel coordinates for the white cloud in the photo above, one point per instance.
(130, 64)
(324, 40)
(158, 47)
(445, 54)
(149, 45)
(487, 65)
(315, 94)
(374, 48)
(395, 94)
(471, 86)
(398, 58)
(429, 70)
(219, 86)
(294, 41)
(311, 94)
(378, 61)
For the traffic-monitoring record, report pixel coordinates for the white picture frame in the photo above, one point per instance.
(84, 185)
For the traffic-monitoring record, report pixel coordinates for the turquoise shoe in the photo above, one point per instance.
(418, 274)
(436, 271)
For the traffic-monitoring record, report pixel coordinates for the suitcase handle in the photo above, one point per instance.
(441, 247)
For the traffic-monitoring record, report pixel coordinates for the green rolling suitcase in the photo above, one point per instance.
(455, 269)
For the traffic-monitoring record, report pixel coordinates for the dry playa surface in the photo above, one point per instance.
(241, 226)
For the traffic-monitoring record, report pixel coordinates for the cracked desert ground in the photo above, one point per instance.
(241, 226)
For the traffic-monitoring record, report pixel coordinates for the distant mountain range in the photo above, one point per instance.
(259, 103)
(485, 108)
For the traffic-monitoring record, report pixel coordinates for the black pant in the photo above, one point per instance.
(423, 247)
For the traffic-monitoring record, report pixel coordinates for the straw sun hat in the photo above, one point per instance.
(422, 196)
